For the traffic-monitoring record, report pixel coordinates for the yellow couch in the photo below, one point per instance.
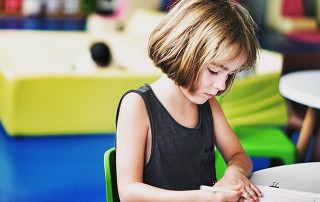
(40, 94)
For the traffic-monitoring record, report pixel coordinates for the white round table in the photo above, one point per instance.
(299, 177)
(304, 87)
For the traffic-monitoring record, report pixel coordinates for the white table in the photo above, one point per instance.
(304, 87)
(299, 177)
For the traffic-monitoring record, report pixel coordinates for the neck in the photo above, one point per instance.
(165, 87)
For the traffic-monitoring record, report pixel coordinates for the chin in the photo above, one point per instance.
(199, 101)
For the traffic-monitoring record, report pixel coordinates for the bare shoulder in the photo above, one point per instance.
(217, 112)
(133, 114)
(133, 105)
(215, 106)
(132, 100)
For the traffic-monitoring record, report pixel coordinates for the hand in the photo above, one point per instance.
(221, 194)
(234, 176)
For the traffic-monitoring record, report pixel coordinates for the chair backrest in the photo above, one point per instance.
(292, 8)
(255, 100)
(111, 175)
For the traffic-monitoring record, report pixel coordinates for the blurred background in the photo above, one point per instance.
(57, 124)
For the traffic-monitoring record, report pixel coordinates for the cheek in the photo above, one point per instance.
(206, 80)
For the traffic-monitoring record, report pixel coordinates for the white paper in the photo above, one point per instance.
(272, 194)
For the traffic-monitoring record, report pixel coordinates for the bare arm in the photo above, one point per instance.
(238, 162)
(132, 131)
(227, 141)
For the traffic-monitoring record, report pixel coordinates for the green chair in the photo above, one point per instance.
(255, 100)
(261, 141)
(111, 175)
(255, 110)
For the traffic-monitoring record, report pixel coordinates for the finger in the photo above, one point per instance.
(247, 195)
(252, 192)
(256, 189)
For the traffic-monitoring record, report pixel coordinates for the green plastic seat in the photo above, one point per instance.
(111, 175)
(255, 110)
(262, 141)
(255, 100)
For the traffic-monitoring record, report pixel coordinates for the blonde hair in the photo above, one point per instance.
(199, 32)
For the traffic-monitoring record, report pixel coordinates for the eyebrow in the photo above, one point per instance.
(221, 66)
(224, 67)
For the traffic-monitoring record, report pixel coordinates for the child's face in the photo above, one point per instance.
(213, 79)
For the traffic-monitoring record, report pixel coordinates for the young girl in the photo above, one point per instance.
(167, 132)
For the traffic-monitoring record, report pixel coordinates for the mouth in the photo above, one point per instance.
(209, 95)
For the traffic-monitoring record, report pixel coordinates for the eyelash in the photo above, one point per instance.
(212, 72)
(216, 73)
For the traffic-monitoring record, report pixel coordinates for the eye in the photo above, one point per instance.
(212, 71)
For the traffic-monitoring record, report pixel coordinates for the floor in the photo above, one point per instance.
(63, 168)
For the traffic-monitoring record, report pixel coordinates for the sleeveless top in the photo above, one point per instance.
(181, 158)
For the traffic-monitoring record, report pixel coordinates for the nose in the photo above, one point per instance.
(219, 85)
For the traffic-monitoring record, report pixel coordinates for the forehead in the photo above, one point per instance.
(229, 55)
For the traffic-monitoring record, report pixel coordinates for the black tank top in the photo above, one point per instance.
(181, 158)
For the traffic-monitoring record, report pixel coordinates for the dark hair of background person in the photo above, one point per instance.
(101, 54)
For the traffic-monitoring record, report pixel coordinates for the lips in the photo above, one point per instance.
(209, 95)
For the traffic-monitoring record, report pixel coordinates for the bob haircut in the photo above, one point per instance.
(199, 32)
